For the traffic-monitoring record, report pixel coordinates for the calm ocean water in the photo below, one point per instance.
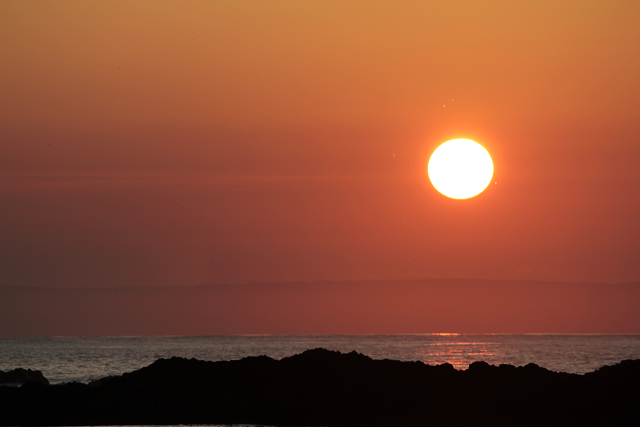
(82, 359)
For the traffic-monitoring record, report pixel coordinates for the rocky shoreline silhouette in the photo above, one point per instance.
(327, 388)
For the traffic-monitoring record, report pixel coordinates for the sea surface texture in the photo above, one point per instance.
(64, 359)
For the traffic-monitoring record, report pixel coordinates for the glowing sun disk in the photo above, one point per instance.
(460, 168)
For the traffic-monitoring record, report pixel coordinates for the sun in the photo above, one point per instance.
(460, 168)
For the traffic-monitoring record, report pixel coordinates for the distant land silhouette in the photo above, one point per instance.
(326, 388)
(348, 307)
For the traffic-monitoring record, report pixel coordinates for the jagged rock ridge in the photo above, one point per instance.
(21, 376)
(325, 388)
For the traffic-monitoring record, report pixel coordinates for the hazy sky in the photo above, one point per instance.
(185, 142)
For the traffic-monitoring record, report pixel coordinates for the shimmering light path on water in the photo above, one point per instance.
(82, 359)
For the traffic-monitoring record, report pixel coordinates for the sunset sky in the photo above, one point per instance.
(221, 142)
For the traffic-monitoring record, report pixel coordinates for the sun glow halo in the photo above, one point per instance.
(460, 168)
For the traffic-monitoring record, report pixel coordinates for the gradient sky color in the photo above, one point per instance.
(186, 142)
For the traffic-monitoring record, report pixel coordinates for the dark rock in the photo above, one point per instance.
(100, 381)
(21, 376)
(326, 388)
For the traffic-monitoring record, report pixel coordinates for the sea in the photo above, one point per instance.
(82, 359)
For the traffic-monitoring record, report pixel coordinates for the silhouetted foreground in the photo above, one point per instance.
(325, 388)
(21, 376)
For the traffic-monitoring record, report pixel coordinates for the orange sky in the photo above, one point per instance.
(357, 307)
(184, 142)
